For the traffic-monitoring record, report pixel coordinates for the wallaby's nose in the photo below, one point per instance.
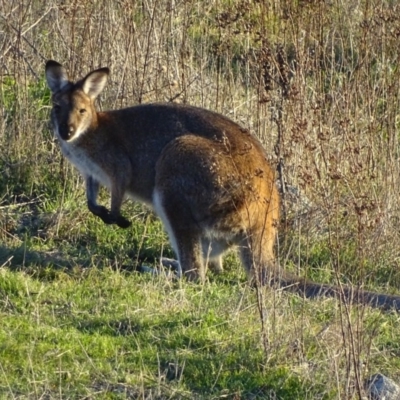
(66, 131)
(70, 131)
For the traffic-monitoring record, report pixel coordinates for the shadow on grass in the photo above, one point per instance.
(45, 264)
(17, 258)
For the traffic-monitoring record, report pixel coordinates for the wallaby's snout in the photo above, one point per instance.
(69, 132)
(63, 123)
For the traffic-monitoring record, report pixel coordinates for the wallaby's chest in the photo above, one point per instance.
(85, 163)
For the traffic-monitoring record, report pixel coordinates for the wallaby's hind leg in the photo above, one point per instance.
(216, 265)
(212, 253)
(189, 254)
(257, 255)
(183, 232)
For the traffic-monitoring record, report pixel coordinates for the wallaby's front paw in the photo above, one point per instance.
(107, 218)
(122, 222)
(119, 220)
(102, 212)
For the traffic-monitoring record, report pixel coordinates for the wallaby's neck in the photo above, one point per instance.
(103, 119)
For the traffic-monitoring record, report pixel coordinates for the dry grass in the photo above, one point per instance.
(316, 81)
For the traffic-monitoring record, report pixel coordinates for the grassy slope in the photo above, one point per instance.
(105, 331)
(77, 322)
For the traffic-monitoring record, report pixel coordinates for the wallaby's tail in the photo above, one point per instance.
(346, 293)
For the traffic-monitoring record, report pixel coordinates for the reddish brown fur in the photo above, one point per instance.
(206, 177)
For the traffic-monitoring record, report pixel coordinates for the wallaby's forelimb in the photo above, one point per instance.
(92, 190)
(117, 196)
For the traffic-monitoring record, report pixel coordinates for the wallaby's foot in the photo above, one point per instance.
(122, 222)
(194, 276)
(175, 266)
(106, 216)
(172, 264)
(216, 266)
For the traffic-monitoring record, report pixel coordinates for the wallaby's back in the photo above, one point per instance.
(140, 134)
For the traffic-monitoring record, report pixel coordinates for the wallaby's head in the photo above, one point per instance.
(73, 110)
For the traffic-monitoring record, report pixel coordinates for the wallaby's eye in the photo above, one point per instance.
(57, 108)
(82, 111)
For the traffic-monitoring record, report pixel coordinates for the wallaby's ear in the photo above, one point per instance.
(93, 84)
(56, 76)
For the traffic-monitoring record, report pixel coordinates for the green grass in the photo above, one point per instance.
(97, 330)
(77, 321)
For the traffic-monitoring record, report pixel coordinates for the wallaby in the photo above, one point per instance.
(207, 178)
